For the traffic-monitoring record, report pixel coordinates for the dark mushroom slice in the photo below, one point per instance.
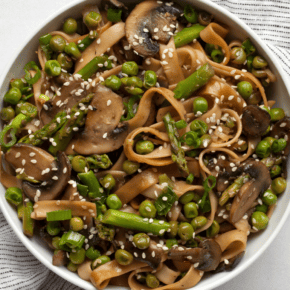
(232, 263)
(53, 187)
(255, 121)
(280, 130)
(208, 255)
(148, 23)
(249, 192)
(32, 159)
(103, 130)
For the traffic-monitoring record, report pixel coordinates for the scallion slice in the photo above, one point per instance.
(58, 215)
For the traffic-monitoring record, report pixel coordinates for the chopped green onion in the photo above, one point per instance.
(248, 46)
(32, 66)
(181, 124)
(58, 215)
(190, 178)
(204, 203)
(114, 15)
(82, 189)
(165, 201)
(71, 240)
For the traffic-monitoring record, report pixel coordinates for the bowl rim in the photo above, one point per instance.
(230, 275)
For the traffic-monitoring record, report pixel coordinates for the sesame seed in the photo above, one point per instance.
(17, 155)
(109, 102)
(33, 161)
(195, 265)
(135, 254)
(153, 254)
(231, 97)
(105, 135)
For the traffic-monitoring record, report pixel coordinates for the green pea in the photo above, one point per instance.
(185, 231)
(259, 73)
(217, 55)
(277, 114)
(188, 197)
(65, 61)
(14, 195)
(269, 198)
(262, 207)
(17, 83)
(53, 228)
(93, 19)
(79, 163)
(213, 230)
(254, 99)
(279, 185)
(72, 267)
(52, 68)
(142, 241)
(230, 122)
(263, 149)
(113, 201)
(100, 261)
(134, 91)
(238, 55)
(130, 68)
(7, 114)
(259, 220)
(270, 140)
(130, 167)
(76, 224)
(278, 160)
(147, 209)
(73, 50)
(152, 281)
(134, 82)
(190, 14)
(181, 124)
(150, 79)
(123, 257)
(27, 109)
(245, 89)
(199, 126)
(55, 242)
(259, 62)
(57, 43)
(13, 96)
(108, 181)
(171, 242)
(144, 147)
(200, 105)
(70, 26)
(279, 145)
(113, 82)
(173, 229)
(198, 222)
(78, 256)
(275, 171)
(241, 145)
(92, 253)
(190, 210)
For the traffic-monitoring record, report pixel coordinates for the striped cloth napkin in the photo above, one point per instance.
(20, 270)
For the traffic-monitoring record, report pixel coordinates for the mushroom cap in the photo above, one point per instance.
(150, 19)
(103, 131)
(233, 262)
(53, 187)
(282, 129)
(255, 121)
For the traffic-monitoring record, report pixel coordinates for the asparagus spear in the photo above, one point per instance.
(199, 78)
(178, 155)
(233, 189)
(28, 222)
(187, 35)
(99, 161)
(65, 133)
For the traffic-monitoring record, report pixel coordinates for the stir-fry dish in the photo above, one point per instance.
(141, 147)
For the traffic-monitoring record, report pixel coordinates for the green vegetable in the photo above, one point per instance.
(259, 220)
(275, 171)
(113, 82)
(53, 228)
(277, 114)
(152, 281)
(14, 195)
(72, 267)
(259, 73)
(181, 124)
(245, 89)
(164, 180)
(130, 107)
(198, 222)
(270, 140)
(263, 208)
(144, 147)
(204, 204)
(279, 185)
(99, 161)
(44, 45)
(190, 210)
(78, 256)
(263, 149)
(28, 222)
(93, 19)
(71, 240)
(130, 167)
(113, 201)
(213, 230)
(190, 178)
(187, 35)
(254, 99)
(32, 66)
(165, 201)
(92, 253)
(147, 209)
(58, 215)
(250, 59)
(259, 62)
(100, 261)
(79, 163)
(20, 211)
(123, 257)
(88, 40)
(52, 68)
(185, 231)
(170, 243)
(27, 109)
(190, 14)
(65, 61)
(114, 15)
(130, 68)
(187, 197)
(108, 181)
(13, 96)
(192, 153)
(238, 55)
(57, 43)
(199, 126)
(269, 198)
(73, 50)
(178, 155)
(172, 232)
(70, 26)
(17, 83)
(248, 46)
(217, 55)
(142, 241)
(105, 232)
(150, 79)
(195, 81)
(279, 145)
(76, 224)
(134, 222)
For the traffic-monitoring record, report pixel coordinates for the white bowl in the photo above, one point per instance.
(256, 245)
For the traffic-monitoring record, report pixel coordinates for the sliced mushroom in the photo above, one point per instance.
(103, 131)
(232, 263)
(282, 129)
(255, 121)
(249, 192)
(148, 22)
(31, 161)
(206, 257)
(51, 188)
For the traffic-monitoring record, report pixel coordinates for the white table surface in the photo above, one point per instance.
(20, 18)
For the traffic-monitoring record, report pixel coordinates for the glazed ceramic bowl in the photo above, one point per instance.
(279, 91)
